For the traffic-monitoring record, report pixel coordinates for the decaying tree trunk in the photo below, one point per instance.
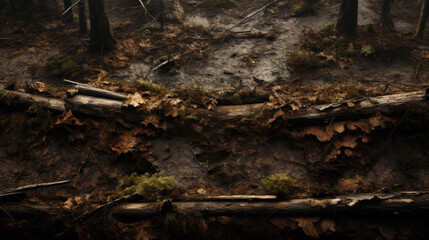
(386, 17)
(347, 17)
(401, 204)
(83, 28)
(319, 114)
(423, 17)
(101, 36)
(69, 14)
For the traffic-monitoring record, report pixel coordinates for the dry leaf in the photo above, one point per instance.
(327, 225)
(282, 223)
(134, 100)
(307, 226)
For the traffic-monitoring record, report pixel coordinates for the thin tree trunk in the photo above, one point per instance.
(347, 17)
(83, 28)
(101, 37)
(423, 17)
(69, 14)
(12, 6)
(386, 17)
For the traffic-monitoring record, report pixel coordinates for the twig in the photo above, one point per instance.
(150, 70)
(161, 64)
(68, 9)
(35, 186)
(250, 15)
(418, 67)
(101, 207)
(87, 160)
(150, 15)
(96, 92)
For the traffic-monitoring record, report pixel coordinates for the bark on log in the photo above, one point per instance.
(26, 211)
(404, 204)
(239, 198)
(320, 114)
(401, 204)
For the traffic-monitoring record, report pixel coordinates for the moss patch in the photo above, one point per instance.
(149, 86)
(280, 184)
(300, 9)
(303, 59)
(150, 188)
(60, 66)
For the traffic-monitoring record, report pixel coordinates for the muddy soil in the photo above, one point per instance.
(233, 64)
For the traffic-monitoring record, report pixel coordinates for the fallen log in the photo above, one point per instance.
(410, 204)
(320, 114)
(403, 204)
(241, 198)
(351, 109)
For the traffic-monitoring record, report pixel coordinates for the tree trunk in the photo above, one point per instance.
(386, 17)
(69, 14)
(423, 17)
(12, 6)
(83, 28)
(347, 17)
(101, 37)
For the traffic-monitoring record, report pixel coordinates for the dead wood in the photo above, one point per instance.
(85, 89)
(239, 198)
(401, 204)
(12, 197)
(319, 114)
(35, 186)
(252, 14)
(26, 211)
(99, 208)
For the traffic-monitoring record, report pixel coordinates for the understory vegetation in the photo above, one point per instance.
(280, 184)
(149, 188)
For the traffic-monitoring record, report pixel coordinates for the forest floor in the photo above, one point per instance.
(297, 61)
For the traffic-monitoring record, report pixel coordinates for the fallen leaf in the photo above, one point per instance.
(327, 225)
(134, 100)
(307, 226)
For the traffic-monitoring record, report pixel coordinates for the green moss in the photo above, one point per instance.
(60, 66)
(303, 59)
(367, 50)
(236, 99)
(350, 52)
(355, 89)
(328, 26)
(146, 85)
(280, 184)
(300, 9)
(327, 41)
(150, 188)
